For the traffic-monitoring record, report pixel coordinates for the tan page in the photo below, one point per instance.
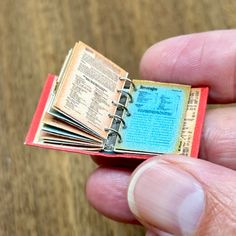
(190, 121)
(88, 87)
(50, 120)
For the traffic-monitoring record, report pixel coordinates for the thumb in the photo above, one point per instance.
(184, 196)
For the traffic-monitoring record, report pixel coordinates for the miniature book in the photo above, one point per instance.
(94, 108)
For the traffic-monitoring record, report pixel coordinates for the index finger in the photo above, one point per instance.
(201, 59)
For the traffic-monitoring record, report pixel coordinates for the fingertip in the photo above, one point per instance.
(106, 191)
(116, 162)
(144, 65)
(157, 61)
(200, 59)
(161, 195)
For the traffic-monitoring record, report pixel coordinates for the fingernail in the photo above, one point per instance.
(166, 197)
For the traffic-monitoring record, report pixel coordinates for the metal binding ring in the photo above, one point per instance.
(127, 93)
(123, 107)
(114, 131)
(118, 118)
(129, 80)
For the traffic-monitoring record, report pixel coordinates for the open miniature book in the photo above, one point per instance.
(92, 107)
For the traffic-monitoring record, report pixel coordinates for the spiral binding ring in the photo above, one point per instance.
(126, 93)
(118, 118)
(110, 130)
(129, 80)
(122, 106)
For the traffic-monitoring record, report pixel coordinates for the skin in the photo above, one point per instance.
(207, 59)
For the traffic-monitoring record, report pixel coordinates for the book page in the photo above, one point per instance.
(53, 122)
(157, 115)
(190, 122)
(88, 87)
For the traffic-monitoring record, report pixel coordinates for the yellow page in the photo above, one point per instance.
(88, 87)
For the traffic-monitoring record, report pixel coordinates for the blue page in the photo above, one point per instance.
(156, 120)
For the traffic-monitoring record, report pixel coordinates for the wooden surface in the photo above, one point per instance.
(41, 191)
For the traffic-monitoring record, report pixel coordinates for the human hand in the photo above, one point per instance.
(174, 194)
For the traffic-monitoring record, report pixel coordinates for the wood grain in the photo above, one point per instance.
(41, 191)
